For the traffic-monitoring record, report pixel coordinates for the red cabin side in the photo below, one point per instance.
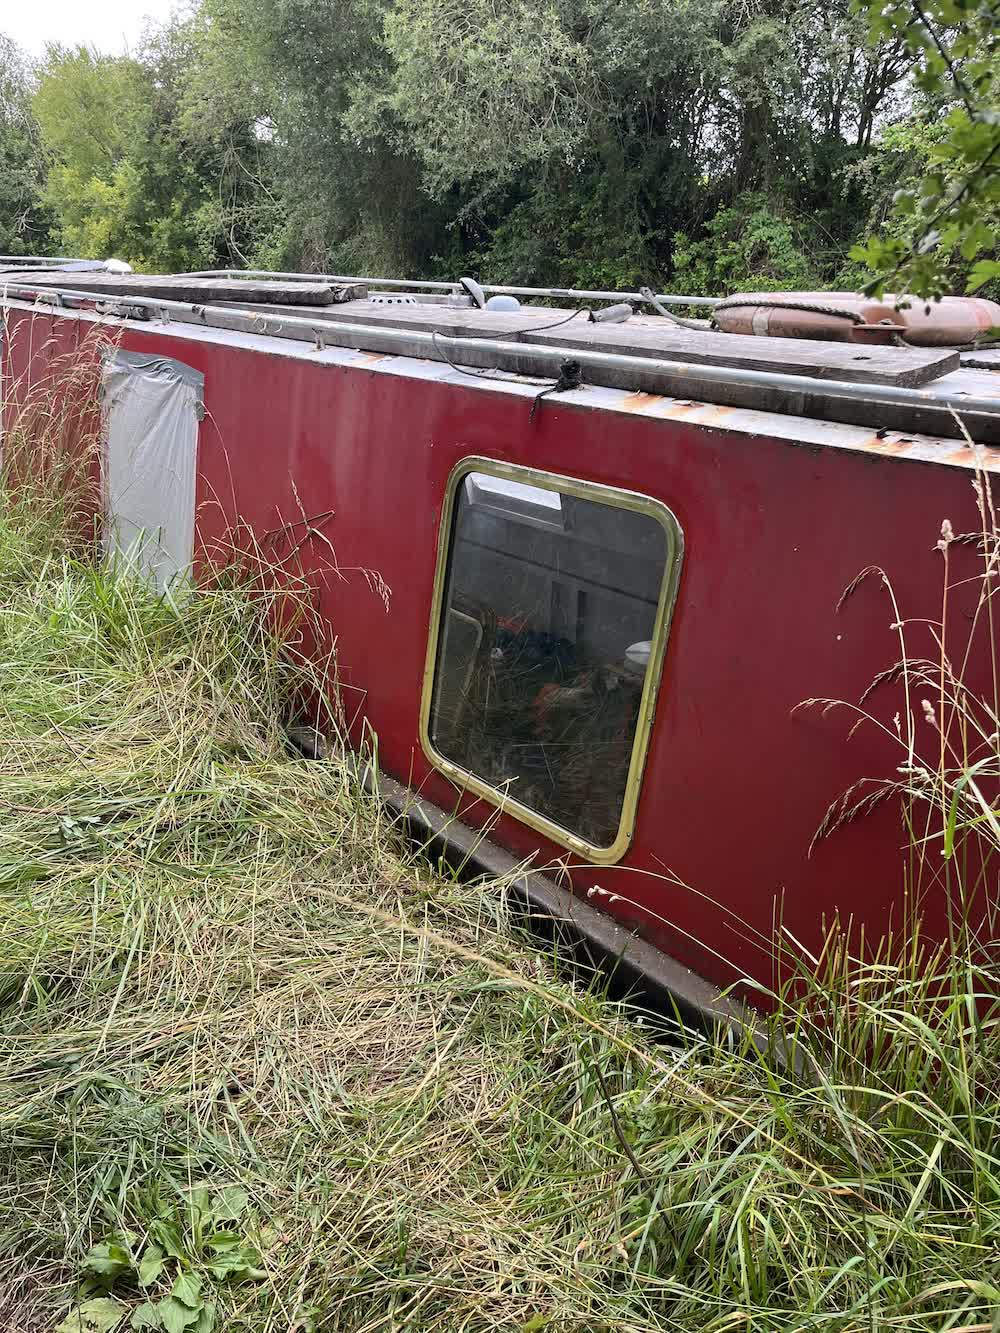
(738, 777)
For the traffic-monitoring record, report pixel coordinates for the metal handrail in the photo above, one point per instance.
(39, 260)
(426, 284)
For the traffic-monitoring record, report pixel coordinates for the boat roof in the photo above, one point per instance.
(938, 392)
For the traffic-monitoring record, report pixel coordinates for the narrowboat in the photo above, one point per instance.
(591, 564)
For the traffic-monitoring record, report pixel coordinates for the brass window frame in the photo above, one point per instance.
(584, 490)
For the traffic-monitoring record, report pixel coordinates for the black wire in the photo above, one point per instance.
(465, 370)
(557, 386)
(541, 328)
(492, 374)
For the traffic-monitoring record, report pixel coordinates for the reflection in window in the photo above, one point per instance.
(549, 610)
(512, 496)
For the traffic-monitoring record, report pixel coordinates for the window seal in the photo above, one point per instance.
(477, 786)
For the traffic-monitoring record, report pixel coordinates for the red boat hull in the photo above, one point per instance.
(739, 777)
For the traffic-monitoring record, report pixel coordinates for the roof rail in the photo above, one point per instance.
(41, 260)
(424, 284)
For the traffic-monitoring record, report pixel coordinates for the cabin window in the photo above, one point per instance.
(554, 598)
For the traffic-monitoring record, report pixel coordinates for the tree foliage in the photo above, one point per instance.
(952, 207)
(746, 245)
(129, 174)
(23, 220)
(585, 142)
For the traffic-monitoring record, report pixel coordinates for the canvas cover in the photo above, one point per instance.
(152, 409)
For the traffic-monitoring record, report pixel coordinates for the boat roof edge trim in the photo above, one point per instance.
(797, 395)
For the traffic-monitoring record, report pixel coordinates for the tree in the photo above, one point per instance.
(352, 200)
(953, 208)
(129, 174)
(24, 223)
(571, 142)
(748, 247)
(91, 110)
(554, 141)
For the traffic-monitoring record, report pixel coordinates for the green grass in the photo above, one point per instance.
(257, 1052)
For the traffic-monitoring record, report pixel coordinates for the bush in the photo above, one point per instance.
(747, 247)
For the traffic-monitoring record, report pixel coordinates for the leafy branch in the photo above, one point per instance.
(952, 211)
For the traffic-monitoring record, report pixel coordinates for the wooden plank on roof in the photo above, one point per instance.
(652, 336)
(904, 367)
(463, 322)
(200, 291)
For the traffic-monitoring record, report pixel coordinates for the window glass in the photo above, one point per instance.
(512, 496)
(549, 608)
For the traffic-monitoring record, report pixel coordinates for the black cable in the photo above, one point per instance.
(542, 328)
(570, 372)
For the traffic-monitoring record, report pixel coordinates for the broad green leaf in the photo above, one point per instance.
(146, 1315)
(230, 1204)
(224, 1267)
(98, 1315)
(223, 1240)
(229, 1265)
(244, 1262)
(206, 1319)
(106, 1260)
(187, 1289)
(175, 1316)
(982, 272)
(978, 237)
(168, 1236)
(151, 1265)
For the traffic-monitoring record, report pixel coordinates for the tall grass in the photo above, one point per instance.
(245, 1028)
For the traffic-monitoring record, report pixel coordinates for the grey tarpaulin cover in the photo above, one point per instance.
(152, 407)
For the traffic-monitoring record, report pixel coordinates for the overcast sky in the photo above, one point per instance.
(110, 25)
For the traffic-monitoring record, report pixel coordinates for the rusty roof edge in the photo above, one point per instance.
(662, 380)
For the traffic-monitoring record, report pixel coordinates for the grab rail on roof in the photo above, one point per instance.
(40, 260)
(426, 284)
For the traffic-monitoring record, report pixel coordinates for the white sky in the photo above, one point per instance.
(110, 25)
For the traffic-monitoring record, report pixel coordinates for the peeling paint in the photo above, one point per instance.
(641, 402)
(964, 456)
(884, 445)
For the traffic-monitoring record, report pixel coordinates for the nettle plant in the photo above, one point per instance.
(185, 1254)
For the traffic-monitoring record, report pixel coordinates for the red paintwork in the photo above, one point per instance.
(736, 782)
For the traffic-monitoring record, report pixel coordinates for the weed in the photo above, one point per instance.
(188, 1246)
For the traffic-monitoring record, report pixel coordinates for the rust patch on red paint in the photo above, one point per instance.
(879, 445)
(963, 456)
(640, 402)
